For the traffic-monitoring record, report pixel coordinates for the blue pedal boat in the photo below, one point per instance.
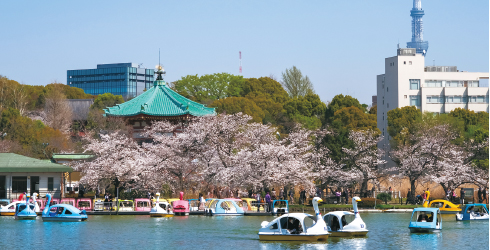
(62, 212)
(475, 211)
(223, 207)
(425, 220)
(25, 211)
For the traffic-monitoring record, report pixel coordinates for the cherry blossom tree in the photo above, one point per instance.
(118, 159)
(363, 159)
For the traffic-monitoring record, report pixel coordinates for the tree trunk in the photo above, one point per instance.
(364, 186)
(412, 191)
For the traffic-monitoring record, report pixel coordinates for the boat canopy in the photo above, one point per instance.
(477, 207)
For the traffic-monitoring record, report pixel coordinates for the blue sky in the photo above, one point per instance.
(340, 45)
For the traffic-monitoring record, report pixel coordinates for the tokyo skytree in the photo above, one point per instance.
(417, 29)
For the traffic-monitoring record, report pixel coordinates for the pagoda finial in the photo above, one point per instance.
(160, 70)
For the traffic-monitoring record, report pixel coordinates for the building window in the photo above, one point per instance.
(414, 84)
(433, 84)
(473, 84)
(454, 84)
(386, 89)
(435, 99)
(19, 184)
(404, 62)
(478, 99)
(405, 96)
(50, 184)
(456, 99)
(415, 100)
(409, 62)
(387, 105)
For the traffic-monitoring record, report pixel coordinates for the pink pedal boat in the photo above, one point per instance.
(181, 207)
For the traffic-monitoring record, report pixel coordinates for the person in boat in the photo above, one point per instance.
(423, 217)
(294, 226)
(335, 224)
(60, 210)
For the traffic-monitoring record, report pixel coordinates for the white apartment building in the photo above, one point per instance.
(437, 89)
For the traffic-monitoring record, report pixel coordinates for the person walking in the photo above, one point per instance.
(257, 197)
(448, 194)
(291, 196)
(273, 196)
(484, 194)
(268, 201)
(461, 196)
(281, 194)
(337, 195)
(454, 196)
(346, 196)
(424, 197)
(480, 200)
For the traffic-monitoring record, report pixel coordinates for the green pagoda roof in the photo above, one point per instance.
(12, 163)
(159, 100)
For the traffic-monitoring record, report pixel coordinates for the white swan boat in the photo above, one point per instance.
(346, 224)
(296, 227)
(161, 209)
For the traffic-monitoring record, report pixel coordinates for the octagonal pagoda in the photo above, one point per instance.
(158, 103)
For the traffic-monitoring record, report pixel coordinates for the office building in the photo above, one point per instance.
(436, 89)
(126, 79)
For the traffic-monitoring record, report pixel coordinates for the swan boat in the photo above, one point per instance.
(161, 209)
(425, 220)
(62, 212)
(25, 211)
(296, 227)
(181, 207)
(223, 207)
(475, 211)
(9, 210)
(346, 224)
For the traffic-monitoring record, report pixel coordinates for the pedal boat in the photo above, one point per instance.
(181, 207)
(62, 213)
(223, 207)
(161, 209)
(446, 207)
(475, 211)
(142, 205)
(296, 227)
(25, 210)
(280, 207)
(37, 204)
(346, 224)
(425, 220)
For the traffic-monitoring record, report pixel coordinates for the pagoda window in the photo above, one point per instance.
(143, 123)
(136, 124)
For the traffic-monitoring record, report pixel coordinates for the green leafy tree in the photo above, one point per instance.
(373, 110)
(339, 102)
(402, 122)
(207, 88)
(268, 94)
(306, 110)
(295, 83)
(353, 118)
(233, 105)
(106, 100)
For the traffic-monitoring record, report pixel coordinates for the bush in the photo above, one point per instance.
(384, 197)
(369, 202)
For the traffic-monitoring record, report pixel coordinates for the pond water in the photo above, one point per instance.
(387, 231)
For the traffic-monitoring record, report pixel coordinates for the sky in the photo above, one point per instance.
(339, 45)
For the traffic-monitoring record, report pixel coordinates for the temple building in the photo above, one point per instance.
(157, 103)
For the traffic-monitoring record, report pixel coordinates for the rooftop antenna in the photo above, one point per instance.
(240, 58)
(139, 65)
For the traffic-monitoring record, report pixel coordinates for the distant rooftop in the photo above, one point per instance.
(441, 69)
(117, 65)
(11, 163)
